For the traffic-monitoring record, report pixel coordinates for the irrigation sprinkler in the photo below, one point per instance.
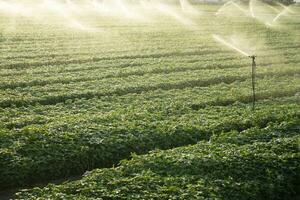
(253, 72)
(253, 69)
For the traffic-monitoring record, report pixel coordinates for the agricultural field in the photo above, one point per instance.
(149, 100)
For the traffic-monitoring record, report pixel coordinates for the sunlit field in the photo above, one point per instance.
(165, 87)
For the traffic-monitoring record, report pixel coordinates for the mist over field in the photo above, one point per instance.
(149, 99)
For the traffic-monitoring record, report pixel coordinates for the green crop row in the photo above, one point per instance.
(181, 99)
(122, 70)
(190, 97)
(58, 93)
(36, 153)
(254, 164)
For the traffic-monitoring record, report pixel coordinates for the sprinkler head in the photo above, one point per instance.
(252, 57)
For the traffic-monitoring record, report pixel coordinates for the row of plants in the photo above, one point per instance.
(39, 153)
(64, 46)
(51, 70)
(90, 58)
(114, 70)
(189, 97)
(176, 103)
(252, 164)
(59, 93)
(136, 68)
(84, 57)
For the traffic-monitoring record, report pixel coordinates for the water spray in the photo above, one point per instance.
(283, 12)
(229, 3)
(222, 41)
(223, 7)
(273, 8)
(240, 8)
(286, 7)
(251, 9)
(167, 10)
(186, 7)
(253, 67)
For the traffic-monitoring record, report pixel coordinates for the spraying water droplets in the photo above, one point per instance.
(262, 12)
(72, 13)
(229, 44)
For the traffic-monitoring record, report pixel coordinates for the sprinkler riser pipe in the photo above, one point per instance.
(253, 72)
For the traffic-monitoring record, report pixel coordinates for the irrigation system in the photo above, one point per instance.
(252, 57)
(65, 9)
(253, 71)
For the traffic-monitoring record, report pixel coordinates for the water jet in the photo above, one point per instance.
(253, 66)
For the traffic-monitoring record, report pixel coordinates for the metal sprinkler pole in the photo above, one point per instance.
(253, 80)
